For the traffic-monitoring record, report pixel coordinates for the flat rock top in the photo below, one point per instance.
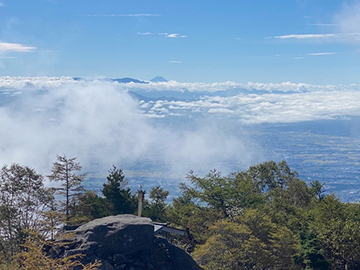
(118, 221)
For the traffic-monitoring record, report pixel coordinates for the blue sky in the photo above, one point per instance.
(308, 41)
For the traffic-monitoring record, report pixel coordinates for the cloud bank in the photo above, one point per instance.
(229, 85)
(184, 126)
(101, 124)
(265, 108)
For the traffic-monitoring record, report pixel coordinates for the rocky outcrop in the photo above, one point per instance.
(124, 242)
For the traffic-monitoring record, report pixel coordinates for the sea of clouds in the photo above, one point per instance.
(102, 123)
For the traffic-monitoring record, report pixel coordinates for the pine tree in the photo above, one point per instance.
(116, 192)
(66, 171)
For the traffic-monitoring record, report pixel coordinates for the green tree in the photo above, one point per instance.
(317, 189)
(288, 204)
(213, 190)
(341, 242)
(116, 192)
(224, 248)
(250, 188)
(269, 175)
(91, 206)
(23, 202)
(187, 215)
(155, 208)
(338, 232)
(67, 172)
(312, 254)
(252, 242)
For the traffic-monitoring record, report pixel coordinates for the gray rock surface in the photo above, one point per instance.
(121, 234)
(124, 242)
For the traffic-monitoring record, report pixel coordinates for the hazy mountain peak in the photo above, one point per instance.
(158, 79)
(128, 80)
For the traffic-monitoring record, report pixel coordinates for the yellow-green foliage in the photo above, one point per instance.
(251, 242)
(33, 257)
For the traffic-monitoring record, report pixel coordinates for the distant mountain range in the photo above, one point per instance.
(129, 80)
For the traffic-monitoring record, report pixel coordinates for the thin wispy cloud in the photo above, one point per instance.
(308, 36)
(172, 35)
(122, 15)
(324, 24)
(175, 62)
(2, 4)
(346, 23)
(321, 53)
(175, 36)
(330, 37)
(167, 35)
(15, 47)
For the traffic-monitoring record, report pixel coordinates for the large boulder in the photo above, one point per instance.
(111, 235)
(123, 242)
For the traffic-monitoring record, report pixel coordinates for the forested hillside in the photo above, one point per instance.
(265, 217)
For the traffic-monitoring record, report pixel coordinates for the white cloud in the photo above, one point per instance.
(284, 102)
(100, 123)
(348, 20)
(322, 53)
(175, 36)
(172, 35)
(309, 36)
(326, 102)
(221, 111)
(38, 83)
(192, 87)
(223, 86)
(15, 47)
